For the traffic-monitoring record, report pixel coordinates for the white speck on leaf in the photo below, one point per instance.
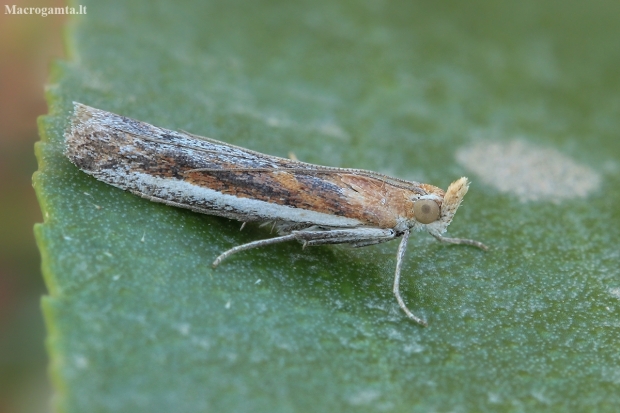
(529, 172)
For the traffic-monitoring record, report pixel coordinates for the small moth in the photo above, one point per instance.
(312, 204)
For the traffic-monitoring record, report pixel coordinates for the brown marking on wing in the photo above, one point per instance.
(385, 203)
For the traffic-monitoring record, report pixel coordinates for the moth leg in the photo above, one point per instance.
(399, 262)
(316, 238)
(365, 243)
(365, 236)
(463, 241)
(273, 224)
(250, 245)
(355, 236)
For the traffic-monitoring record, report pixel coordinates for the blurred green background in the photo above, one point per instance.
(28, 44)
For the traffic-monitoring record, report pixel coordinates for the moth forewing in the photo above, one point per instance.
(309, 203)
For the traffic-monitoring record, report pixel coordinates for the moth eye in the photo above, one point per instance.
(425, 211)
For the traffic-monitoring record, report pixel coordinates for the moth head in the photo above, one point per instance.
(436, 213)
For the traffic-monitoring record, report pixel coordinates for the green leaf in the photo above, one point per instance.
(138, 320)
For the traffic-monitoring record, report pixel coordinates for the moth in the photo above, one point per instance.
(312, 204)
